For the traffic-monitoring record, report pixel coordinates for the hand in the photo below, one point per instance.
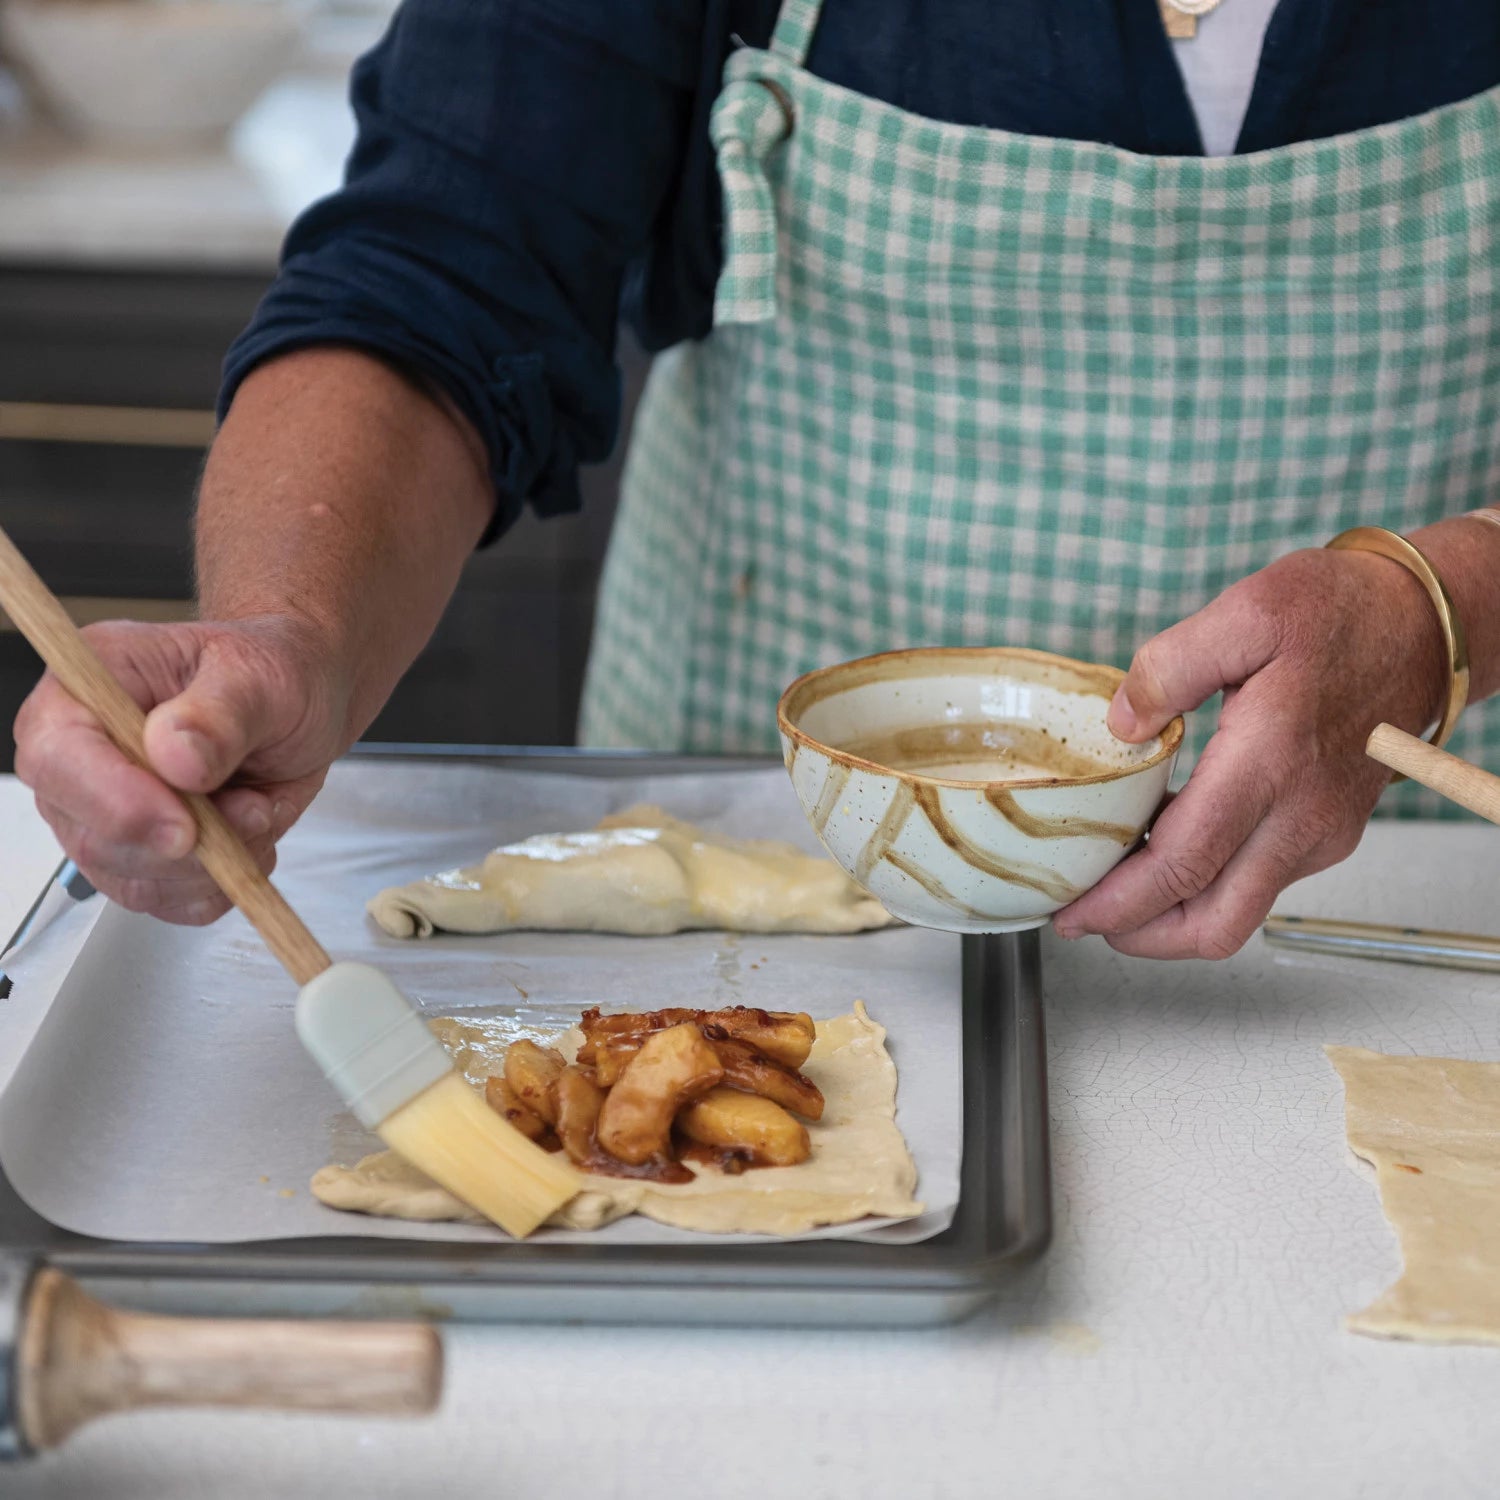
(1310, 653)
(254, 701)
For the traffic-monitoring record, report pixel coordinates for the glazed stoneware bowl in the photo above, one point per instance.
(976, 790)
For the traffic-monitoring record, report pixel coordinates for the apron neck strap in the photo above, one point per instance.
(794, 29)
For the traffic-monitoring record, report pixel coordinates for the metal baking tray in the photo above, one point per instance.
(1004, 1215)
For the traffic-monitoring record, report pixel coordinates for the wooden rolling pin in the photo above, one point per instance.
(1446, 774)
(74, 1359)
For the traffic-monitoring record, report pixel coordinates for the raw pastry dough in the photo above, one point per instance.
(859, 1163)
(1430, 1126)
(641, 871)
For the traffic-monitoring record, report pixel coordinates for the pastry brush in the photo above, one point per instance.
(367, 1037)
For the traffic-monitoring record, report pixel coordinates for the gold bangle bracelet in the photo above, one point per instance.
(1393, 545)
(1484, 513)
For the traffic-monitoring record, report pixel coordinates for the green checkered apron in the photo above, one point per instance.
(967, 387)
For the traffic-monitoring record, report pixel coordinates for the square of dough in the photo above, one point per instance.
(1430, 1126)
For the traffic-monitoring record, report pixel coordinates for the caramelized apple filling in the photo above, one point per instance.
(654, 1088)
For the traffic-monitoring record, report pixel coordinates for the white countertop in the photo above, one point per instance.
(1181, 1338)
(73, 204)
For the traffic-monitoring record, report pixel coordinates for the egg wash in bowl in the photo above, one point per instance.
(975, 789)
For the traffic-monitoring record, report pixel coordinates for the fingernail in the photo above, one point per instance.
(200, 744)
(1068, 933)
(173, 840)
(283, 815)
(1121, 717)
(254, 820)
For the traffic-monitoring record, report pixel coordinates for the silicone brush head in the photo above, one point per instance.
(378, 1053)
(460, 1142)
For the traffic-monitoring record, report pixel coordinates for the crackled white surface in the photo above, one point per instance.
(1181, 1338)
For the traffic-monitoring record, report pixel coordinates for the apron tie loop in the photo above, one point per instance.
(751, 117)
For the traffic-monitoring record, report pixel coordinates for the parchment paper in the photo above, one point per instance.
(165, 1096)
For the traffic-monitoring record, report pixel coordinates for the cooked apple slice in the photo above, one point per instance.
(747, 1068)
(671, 1067)
(506, 1103)
(730, 1120)
(531, 1070)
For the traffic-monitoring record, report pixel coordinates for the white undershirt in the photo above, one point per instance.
(1219, 65)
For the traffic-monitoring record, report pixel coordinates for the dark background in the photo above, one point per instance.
(107, 523)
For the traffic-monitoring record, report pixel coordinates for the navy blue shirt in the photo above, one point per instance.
(527, 169)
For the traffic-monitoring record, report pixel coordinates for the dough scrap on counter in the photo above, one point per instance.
(641, 872)
(860, 1165)
(1430, 1126)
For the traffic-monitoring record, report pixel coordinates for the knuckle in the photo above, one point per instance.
(64, 830)
(1261, 607)
(1281, 764)
(37, 754)
(1148, 668)
(135, 893)
(118, 823)
(26, 764)
(1321, 823)
(101, 857)
(1345, 841)
(1219, 942)
(1182, 874)
(25, 724)
(199, 913)
(110, 636)
(93, 854)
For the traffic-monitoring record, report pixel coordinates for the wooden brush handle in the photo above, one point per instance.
(1447, 774)
(78, 1359)
(55, 638)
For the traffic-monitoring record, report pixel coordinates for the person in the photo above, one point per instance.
(962, 338)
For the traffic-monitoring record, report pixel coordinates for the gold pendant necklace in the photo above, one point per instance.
(1180, 17)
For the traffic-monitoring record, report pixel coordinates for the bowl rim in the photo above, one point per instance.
(1170, 737)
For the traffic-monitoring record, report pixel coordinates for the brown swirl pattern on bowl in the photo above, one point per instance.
(981, 855)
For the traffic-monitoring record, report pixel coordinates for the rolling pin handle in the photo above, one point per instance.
(77, 1359)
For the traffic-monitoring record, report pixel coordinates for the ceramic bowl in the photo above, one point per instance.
(976, 790)
(150, 72)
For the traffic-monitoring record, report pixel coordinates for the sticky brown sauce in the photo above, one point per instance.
(726, 1159)
(1000, 750)
(656, 1169)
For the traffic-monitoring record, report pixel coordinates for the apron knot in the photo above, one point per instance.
(750, 118)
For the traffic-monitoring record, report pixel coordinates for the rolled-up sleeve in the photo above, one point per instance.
(512, 159)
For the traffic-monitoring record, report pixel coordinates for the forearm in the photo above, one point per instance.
(340, 494)
(1466, 554)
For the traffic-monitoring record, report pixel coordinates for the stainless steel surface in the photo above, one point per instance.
(1406, 945)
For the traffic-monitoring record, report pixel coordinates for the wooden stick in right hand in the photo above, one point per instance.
(54, 637)
(1448, 775)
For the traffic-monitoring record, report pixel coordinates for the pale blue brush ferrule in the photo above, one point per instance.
(371, 1043)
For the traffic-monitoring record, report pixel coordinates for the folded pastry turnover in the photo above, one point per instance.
(640, 872)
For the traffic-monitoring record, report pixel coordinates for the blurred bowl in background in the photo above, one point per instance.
(150, 72)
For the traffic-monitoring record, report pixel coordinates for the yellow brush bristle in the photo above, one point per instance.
(459, 1141)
